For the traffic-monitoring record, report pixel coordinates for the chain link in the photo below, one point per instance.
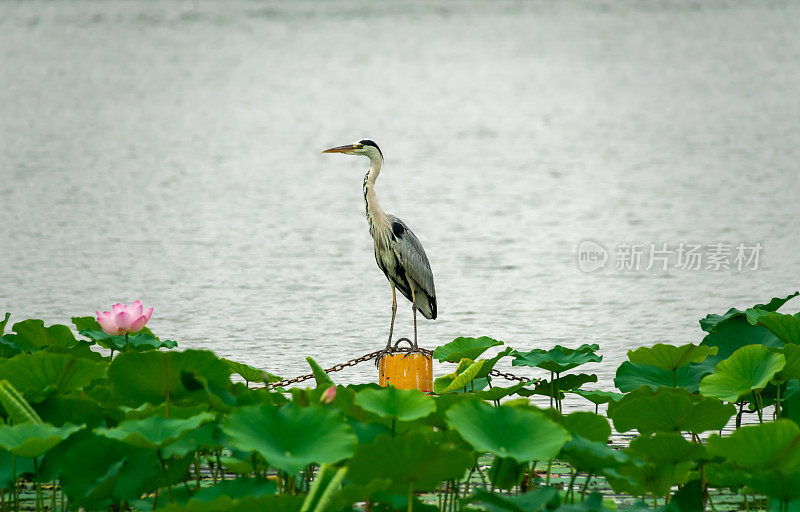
(373, 355)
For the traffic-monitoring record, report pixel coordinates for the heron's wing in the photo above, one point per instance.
(412, 257)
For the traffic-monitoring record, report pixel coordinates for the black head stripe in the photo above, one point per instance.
(367, 142)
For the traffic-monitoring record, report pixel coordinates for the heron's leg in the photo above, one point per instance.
(394, 310)
(414, 310)
(388, 349)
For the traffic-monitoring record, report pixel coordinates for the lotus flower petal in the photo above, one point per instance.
(123, 320)
(116, 308)
(148, 313)
(137, 324)
(107, 323)
(135, 309)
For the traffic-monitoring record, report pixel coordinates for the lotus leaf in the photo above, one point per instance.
(520, 434)
(591, 456)
(321, 377)
(154, 432)
(33, 439)
(225, 503)
(464, 377)
(46, 371)
(488, 364)
(631, 376)
(531, 501)
(249, 373)
(155, 376)
(749, 368)
(785, 327)
(669, 410)
(32, 335)
(598, 397)
(588, 425)
(401, 404)
(558, 359)
(774, 445)
(711, 322)
(558, 386)
(415, 458)
(670, 357)
(141, 341)
(461, 348)
(292, 437)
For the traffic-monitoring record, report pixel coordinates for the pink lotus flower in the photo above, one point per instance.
(123, 319)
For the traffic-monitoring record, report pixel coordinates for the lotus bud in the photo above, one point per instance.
(328, 396)
(124, 319)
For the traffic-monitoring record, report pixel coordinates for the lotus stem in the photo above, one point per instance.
(585, 486)
(571, 492)
(777, 412)
(411, 496)
(757, 403)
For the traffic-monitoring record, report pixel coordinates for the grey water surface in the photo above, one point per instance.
(171, 152)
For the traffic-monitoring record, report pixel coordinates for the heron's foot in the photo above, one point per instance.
(385, 352)
(415, 350)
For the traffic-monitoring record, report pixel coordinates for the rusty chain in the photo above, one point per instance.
(373, 355)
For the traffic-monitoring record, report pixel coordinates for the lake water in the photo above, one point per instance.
(171, 152)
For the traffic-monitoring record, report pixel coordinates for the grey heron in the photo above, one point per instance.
(398, 251)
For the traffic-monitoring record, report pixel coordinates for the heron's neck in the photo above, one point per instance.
(375, 213)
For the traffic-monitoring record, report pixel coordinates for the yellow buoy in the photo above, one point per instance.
(407, 371)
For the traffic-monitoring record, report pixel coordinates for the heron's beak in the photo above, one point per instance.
(343, 149)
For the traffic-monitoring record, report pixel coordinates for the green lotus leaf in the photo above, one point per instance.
(461, 348)
(16, 407)
(207, 437)
(558, 359)
(749, 368)
(237, 487)
(631, 376)
(11, 467)
(443, 382)
(71, 408)
(791, 370)
(139, 342)
(532, 501)
(497, 392)
(520, 434)
(712, 322)
(249, 373)
(321, 377)
(597, 396)
(3, 323)
(666, 448)
(505, 473)
(154, 432)
(139, 377)
(670, 357)
(764, 447)
(668, 410)
(658, 463)
(226, 503)
(401, 404)
(464, 377)
(780, 485)
(33, 439)
(46, 371)
(568, 382)
(591, 456)
(587, 425)
(785, 327)
(729, 336)
(416, 458)
(489, 364)
(292, 437)
(32, 335)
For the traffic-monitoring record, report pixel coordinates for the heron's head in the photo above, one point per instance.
(363, 147)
